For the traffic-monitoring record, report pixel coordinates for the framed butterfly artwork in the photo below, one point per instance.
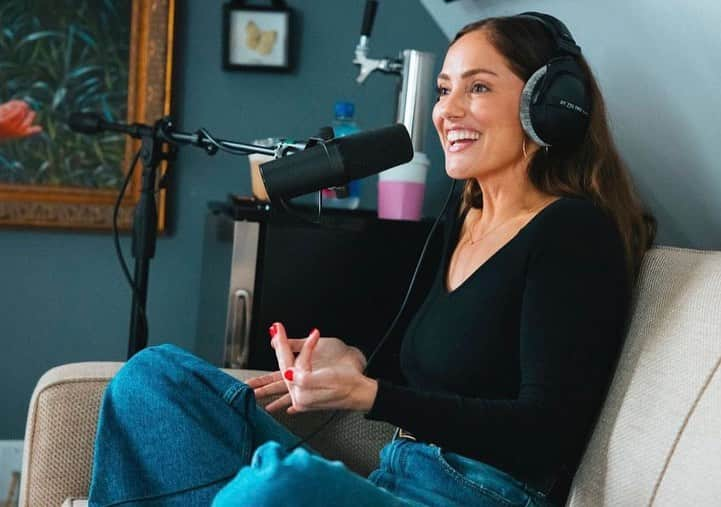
(256, 37)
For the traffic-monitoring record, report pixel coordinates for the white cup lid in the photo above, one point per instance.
(413, 172)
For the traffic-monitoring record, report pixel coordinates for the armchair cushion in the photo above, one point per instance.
(657, 439)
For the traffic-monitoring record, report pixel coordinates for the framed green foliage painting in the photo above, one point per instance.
(112, 57)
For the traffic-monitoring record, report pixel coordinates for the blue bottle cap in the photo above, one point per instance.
(344, 109)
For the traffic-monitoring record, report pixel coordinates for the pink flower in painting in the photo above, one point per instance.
(16, 120)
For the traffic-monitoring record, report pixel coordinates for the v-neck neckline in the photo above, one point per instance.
(449, 253)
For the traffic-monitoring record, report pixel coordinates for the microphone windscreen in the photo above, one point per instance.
(337, 162)
(373, 151)
(303, 172)
(85, 123)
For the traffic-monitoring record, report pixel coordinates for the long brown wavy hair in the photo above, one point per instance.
(592, 169)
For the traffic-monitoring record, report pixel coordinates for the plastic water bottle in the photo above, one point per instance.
(344, 125)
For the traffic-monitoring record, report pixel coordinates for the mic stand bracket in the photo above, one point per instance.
(145, 232)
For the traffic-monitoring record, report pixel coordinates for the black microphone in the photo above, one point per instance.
(93, 123)
(336, 162)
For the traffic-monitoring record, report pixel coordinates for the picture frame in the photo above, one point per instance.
(257, 37)
(78, 194)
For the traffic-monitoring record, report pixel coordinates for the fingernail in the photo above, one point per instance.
(273, 330)
(288, 375)
(315, 329)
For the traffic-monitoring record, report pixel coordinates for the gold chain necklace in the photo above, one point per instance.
(471, 241)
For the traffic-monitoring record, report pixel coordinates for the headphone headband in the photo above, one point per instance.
(561, 34)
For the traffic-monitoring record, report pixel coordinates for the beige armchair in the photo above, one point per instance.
(656, 443)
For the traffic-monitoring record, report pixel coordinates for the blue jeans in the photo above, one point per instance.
(174, 430)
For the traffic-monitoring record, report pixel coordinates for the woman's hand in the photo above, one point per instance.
(325, 352)
(16, 120)
(326, 374)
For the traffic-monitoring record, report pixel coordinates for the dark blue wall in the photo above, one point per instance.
(63, 298)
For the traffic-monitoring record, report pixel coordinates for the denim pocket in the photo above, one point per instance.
(483, 479)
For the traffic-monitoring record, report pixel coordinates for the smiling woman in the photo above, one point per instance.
(83, 55)
(498, 378)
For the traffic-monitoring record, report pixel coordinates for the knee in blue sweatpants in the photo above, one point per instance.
(278, 478)
(168, 366)
(170, 422)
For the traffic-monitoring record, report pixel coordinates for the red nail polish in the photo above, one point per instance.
(273, 330)
(288, 375)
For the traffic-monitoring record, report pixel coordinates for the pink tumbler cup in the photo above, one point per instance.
(401, 189)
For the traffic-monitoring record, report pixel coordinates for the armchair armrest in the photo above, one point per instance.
(62, 419)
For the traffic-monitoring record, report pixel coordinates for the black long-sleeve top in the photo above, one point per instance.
(511, 367)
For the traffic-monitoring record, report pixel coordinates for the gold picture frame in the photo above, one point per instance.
(148, 99)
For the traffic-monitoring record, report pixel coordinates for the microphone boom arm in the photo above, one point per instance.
(164, 130)
(203, 139)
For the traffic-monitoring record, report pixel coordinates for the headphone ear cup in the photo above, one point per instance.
(528, 97)
(555, 105)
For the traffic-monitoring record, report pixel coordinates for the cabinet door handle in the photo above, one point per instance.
(237, 336)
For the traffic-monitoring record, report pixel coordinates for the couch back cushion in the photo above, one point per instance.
(658, 438)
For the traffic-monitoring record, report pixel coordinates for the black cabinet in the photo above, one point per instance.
(347, 276)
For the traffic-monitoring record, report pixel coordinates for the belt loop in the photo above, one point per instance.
(401, 433)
